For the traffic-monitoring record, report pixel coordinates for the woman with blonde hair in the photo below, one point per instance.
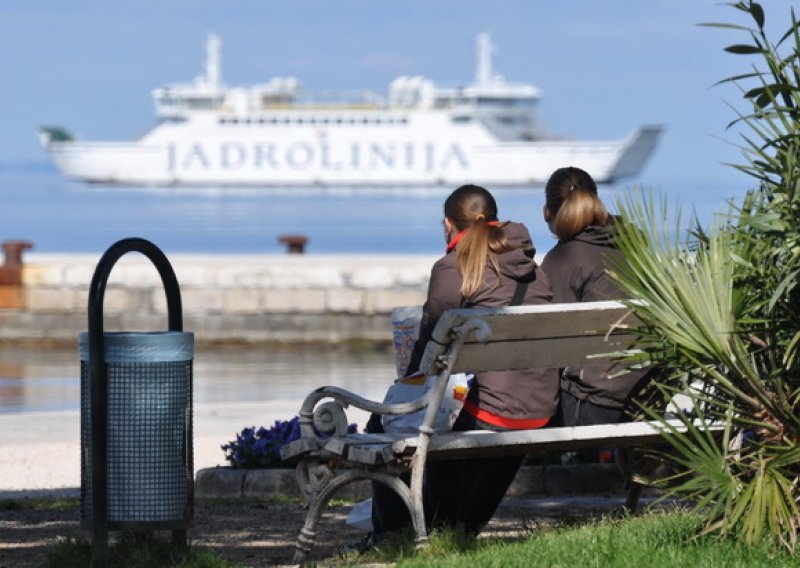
(486, 263)
(578, 271)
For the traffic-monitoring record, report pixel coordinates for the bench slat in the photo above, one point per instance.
(299, 447)
(374, 449)
(546, 320)
(566, 333)
(486, 443)
(340, 445)
(544, 352)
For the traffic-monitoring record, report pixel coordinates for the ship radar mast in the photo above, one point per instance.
(483, 75)
(213, 50)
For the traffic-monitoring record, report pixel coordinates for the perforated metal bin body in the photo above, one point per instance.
(149, 436)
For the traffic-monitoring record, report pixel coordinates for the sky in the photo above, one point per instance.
(604, 67)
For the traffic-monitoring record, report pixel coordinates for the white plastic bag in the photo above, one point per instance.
(415, 386)
(405, 330)
(360, 516)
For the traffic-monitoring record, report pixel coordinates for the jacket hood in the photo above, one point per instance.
(599, 235)
(517, 263)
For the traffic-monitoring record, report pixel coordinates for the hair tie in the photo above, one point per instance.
(480, 217)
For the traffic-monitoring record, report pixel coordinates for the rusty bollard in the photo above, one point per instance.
(11, 274)
(295, 244)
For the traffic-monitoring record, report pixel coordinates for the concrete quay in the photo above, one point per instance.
(226, 298)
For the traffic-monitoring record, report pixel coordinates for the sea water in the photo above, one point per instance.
(57, 215)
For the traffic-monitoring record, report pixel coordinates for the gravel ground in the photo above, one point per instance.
(254, 534)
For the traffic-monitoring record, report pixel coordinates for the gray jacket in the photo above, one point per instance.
(529, 394)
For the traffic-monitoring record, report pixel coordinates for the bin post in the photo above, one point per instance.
(96, 469)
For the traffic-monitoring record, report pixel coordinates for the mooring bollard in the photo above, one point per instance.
(295, 244)
(11, 293)
(11, 270)
(136, 417)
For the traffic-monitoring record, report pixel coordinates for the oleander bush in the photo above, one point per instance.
(721, 308)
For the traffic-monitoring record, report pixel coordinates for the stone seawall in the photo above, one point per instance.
(226, 298)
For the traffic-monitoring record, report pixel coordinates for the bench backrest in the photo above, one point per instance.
(523, 337)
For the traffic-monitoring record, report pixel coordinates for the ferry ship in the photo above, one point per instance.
(275, 134)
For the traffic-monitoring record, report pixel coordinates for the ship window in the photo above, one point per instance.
(461, 119)
(208, 103)
(403, 120)
(497, 101)
(234, 121)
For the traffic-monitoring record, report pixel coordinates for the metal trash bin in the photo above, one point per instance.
(149, 419)
(136, 417)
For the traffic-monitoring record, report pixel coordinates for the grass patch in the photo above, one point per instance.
(39, 504)
(133, 551)
(653, 540)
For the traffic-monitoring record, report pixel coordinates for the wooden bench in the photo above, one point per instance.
(464, 340)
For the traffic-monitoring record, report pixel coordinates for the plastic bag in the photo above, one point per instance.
(360, 516)
(415, 386)
(405, 330)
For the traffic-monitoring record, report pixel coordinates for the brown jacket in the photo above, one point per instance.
(526, 394)
(577, 270)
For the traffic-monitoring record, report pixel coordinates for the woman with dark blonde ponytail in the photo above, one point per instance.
(486, 263)
(578, 271)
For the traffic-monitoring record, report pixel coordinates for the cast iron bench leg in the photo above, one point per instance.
(308, 534)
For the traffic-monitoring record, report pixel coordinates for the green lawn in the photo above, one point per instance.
(655, 539)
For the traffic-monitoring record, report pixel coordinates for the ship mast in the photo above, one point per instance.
(483, 75)
(213, 50)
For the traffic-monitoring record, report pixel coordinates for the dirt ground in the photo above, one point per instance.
(254, 534)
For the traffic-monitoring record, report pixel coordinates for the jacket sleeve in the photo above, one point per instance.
(443, 294)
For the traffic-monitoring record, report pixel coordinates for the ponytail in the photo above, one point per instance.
(579, 210)
(572, 203)
(478, 247)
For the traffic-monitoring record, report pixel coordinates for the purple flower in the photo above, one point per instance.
(254, 448)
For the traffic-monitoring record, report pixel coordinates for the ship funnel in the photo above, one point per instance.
(483, 74)
(213, 51)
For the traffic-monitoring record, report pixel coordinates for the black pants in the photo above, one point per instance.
(456, 492)
(573, 411)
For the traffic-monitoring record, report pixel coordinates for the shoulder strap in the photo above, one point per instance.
(519, 294)
(516, 299)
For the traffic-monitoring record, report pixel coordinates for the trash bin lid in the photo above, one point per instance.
(142, 346)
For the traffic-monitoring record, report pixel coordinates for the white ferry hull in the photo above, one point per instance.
(322, 160)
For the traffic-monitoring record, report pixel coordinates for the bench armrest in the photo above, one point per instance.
(329, 419)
